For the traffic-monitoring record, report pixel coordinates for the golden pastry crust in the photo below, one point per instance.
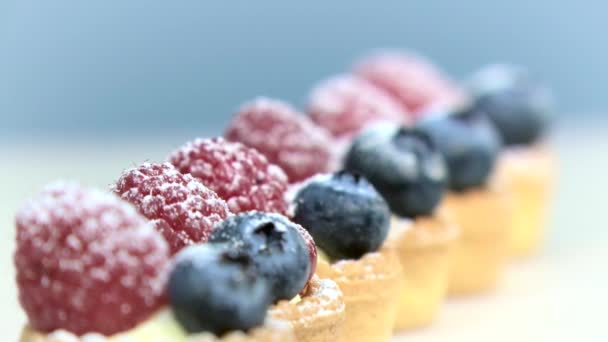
(424, 246)
(272, 331)
(370, 286)
(436, 229)
(484, 216)
(320, 314)
(529, 174)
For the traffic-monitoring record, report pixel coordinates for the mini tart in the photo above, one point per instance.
(319, 316)
(424, 246)
(370, 286)
(528, 172)
(272, 331)
(484, 217)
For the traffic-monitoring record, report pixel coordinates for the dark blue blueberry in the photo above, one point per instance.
(516, 104)
(403, 164)
(279, 251)
(469, 143)
(344, 214)
(214, 289)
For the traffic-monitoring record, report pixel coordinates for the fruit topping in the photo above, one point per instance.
(344, 214)
(287, 138)
(403, 164)
(517, 104)
(412, 80)
(179, 206)
(469, 144)
(87, 262)
(346, 103)
(240, 175)
(280, 250)
(215, 289)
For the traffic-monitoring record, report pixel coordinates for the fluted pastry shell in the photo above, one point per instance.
(319, 316)
(484, 217)
(424, 246)
(370, 287)
(529, 174)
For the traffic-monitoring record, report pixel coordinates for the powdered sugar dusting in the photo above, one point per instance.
(240, 175)
(323, 299)
(285, 136)
(179, 206)
(345, 104)
(73, 247)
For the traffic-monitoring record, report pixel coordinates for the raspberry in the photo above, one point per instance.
(286, 137)
(412, 80)
(346, 103)
(240, 175)
(312, 252)
(87, 262)
(179, 206)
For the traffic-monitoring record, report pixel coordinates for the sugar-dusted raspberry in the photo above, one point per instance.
(346, 103)
(87, 262)
(412, 80)
(286, 137)
(240, 175)
(180, 207)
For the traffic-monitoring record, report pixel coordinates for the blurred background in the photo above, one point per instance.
(88, 88)
(148, 67)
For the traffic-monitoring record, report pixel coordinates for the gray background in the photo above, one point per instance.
(100, 68)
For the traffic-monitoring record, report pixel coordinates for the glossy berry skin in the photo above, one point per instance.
(217, 290)
(279, 251)
(344, 213)
(518, 106)
(469, 143)
(403, 164)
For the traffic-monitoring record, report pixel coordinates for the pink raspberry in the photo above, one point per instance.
(347, 103)
(87, 262)
(411, 79)
(240, 175)
(286, 137)
(179, 206)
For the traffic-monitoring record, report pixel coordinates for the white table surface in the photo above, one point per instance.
(558, 295)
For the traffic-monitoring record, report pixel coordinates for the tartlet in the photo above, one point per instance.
(370, 286)
(425, 246)
(520, 106)
(529, 175)
(483, 215)
(206, 292)
(408, 169)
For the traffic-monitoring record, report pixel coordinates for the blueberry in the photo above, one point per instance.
(403, 164)
(344, 214)
(214, 289)
(279, 251)
(469, 143)
(516, 104)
